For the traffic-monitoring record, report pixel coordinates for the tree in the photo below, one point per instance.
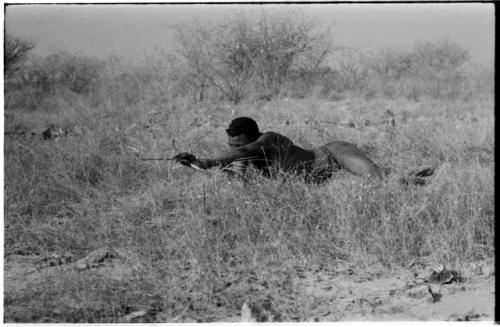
(249, 53)
(16, 51)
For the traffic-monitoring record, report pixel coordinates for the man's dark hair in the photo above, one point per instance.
(243, 125)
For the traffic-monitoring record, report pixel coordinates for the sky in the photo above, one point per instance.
(133, 30)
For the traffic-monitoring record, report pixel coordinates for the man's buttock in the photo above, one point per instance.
(323, 160)
(323, 166)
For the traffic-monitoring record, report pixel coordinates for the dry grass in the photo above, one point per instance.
(208, 242)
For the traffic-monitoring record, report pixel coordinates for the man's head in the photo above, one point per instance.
(242, 131)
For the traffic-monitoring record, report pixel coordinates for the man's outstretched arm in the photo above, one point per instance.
(252, 151)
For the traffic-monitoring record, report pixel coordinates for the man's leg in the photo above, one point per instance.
(347, 156)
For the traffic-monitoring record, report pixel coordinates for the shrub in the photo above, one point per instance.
(246, 52)
(44, 80)
(123, 82)
(16, 51)
(62, 70)
(432, 69)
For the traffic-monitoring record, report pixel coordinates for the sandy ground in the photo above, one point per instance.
(335, 293)
(402, 294)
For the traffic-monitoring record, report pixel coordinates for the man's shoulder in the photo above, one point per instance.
(268, 136)
(271, 134)
(273, 138)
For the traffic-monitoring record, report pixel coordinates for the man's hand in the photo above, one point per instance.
(185, 159)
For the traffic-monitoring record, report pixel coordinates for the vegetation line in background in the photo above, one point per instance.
(250, 57)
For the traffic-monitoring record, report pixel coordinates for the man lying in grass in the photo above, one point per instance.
(272, 153)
